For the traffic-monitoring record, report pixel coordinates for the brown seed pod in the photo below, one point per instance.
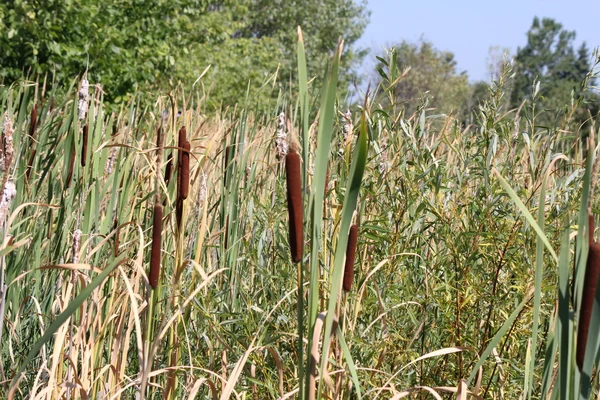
(33, 123)
(592, 272)
(295, 211)
(32, 128)
(350, 254)
(181, 144)
(84, 143)
(185, 171)
(155, 255)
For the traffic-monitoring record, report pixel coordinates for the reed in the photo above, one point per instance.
(295, 210)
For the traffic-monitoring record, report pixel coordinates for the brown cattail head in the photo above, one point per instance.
(185, 170)
(154, 274)
(295, 211)
(84, 142)
(33, 123)
(71, 166)
(350, 254)
(32, 128)
(181, 144)
(592, 271)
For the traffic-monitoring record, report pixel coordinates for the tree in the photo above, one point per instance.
(550, 58)
(427, 71)
(152, 44)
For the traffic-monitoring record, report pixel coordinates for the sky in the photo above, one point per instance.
(469, 28)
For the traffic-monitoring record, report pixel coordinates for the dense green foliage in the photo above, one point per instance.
(452, 271)
(426, 72)
(154, 44)
(549, 57)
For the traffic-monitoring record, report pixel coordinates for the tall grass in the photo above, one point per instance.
(457, 289)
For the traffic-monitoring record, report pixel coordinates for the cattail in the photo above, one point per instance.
(32, 128)
(76, 245)
(281, 139)
(84, 139)
(156, 246)
(8, 149)
(350, 254)
(84, 99)
(228, 153)
(181, 145)
(155, 254)
(592, 271)
(202, 193)
(347, 128)
(9, 193)
(33, 123)
(185, 171)
(71, 167)
(110, 163)
(294, 195)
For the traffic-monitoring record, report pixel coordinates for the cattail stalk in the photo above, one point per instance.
(590, 282)
(350, 255)
(295, 211)
(84, 139)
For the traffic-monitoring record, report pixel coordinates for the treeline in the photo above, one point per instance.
(549, 67)
(152, 45)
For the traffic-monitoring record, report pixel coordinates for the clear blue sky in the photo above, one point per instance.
(468, 28)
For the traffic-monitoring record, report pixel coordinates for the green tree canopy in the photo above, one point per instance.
(550, 58)
(422, 70)
(155, 43)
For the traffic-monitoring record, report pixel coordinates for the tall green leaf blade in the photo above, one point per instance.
(354, 181)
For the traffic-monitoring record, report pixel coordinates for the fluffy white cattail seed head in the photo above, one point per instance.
(281, 138)
(84, 99)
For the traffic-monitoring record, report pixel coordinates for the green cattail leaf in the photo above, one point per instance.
(325, 132)
(352, 188)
